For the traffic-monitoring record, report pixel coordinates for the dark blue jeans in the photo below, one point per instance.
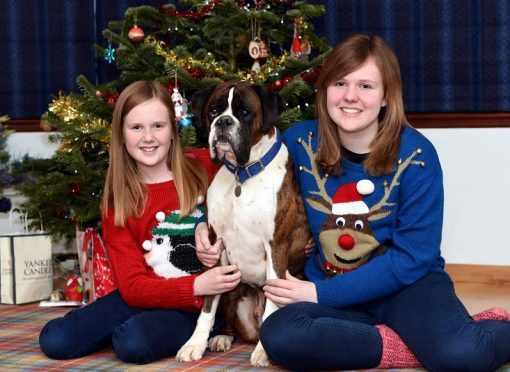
(427, 315)
(137, 335)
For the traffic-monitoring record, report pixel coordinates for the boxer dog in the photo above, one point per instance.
(254, 203)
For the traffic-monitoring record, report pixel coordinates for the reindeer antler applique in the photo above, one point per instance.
(324, 204)
(376, 210)
(346, 237)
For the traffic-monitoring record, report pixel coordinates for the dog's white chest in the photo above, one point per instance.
(247, 222)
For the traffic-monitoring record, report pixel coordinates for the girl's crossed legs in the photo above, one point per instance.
(427, 315)
(137, 335)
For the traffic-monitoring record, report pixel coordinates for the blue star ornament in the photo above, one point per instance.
(185, 121)
(109, 53)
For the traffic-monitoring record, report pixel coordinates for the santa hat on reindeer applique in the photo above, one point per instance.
(348, 198)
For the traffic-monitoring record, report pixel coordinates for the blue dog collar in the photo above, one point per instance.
(252, 169)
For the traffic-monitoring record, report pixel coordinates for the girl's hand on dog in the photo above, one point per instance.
(207, 254)
(217, 280)
(290, 290)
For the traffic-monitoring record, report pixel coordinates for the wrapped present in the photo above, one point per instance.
(96, 272)
(74, 288)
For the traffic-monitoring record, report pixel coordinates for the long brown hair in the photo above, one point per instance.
(124, 192)
(345, 58)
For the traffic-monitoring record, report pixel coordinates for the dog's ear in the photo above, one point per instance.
(198, 101)
(272, 105)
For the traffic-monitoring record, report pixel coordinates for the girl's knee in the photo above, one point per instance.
(56, 340)
(129, 344)
(460, 356)
(276, 325)
(152, 335)
(281, 333)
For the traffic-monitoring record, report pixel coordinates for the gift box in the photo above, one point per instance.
(26, 264)
(96, 273)
(26, 268)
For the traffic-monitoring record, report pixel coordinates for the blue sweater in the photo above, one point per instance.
(376, 236)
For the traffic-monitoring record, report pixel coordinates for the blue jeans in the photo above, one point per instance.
(137, 335)
(427, 315)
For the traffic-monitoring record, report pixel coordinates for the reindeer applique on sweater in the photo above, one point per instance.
(346, 237)
(171, 252)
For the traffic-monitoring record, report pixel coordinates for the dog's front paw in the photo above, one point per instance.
(221, 343)
(259, 357)
(190, 351)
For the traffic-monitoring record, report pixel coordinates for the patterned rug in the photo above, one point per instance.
(19, 349)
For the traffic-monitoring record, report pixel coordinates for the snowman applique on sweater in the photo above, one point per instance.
(171, 252)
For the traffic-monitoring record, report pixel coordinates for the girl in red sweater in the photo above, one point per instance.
(149, 316)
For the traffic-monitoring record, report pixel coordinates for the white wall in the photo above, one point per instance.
(33, 143)
(36, 145)
(476, 166)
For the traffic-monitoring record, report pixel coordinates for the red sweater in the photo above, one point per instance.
(139, 286)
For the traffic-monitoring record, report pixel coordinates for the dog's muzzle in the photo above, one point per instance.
(225, 130)
(223, 138)
(224, 123)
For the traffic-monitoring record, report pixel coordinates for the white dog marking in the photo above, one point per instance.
(221, 149)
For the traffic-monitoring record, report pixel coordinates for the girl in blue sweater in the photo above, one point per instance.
(372, 186)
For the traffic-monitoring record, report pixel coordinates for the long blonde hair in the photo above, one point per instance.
(345, 58)
(124, 192)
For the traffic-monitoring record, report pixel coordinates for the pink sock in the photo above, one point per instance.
(395, 353)
(494, 313)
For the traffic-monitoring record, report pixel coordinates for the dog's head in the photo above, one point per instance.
(237, 115)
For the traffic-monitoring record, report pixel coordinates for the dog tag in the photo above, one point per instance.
(237, 190)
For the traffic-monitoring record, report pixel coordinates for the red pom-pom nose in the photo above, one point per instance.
(346, 241)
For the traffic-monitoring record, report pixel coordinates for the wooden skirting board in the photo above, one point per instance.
(483, 274)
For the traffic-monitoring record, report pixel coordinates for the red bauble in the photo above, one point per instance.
(196, 73)
(73, 289)
(75, 188)
(136, 34)
(111, 98)
(310, 75)
(287, 80)
(277, 85)
(173, 84)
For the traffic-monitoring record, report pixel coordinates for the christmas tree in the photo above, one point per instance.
(188, 48)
